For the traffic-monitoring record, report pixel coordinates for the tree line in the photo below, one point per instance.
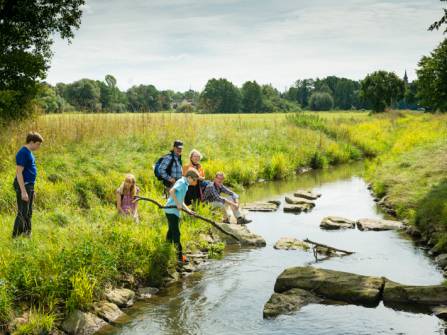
(27, 29)
(377, 91)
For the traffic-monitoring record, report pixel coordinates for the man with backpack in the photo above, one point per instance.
(169, 167)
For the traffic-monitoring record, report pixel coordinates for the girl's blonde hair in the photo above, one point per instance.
(132, 189)
(197, 152)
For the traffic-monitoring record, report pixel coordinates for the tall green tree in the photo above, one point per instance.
(382, 89)
(432, 78)
(144, 98)
(84, 95)
(27, 28)
(303, 90)
(220, 96)
(321, 101)
(251, 97)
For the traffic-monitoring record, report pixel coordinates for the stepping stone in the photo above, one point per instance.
(299, 201)
(263, 206)
(297, 208)
(307, 194)
(379, 224)
(336, 222)
(290, 243)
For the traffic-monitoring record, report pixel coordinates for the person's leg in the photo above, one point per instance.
(29, 214)
(169, 233)
(236, 211)
(174, 228)
(19, 223)
(223, 207)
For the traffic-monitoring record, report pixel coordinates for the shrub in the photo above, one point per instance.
(321, 101)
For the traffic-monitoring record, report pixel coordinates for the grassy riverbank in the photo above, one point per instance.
(409, 162)
(79, 245)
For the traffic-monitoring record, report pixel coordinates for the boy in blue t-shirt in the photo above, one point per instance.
(24, 181)
(176, 200)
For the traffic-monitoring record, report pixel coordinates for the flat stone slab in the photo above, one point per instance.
(81, 323)
(107, 311)
(290, 243)
(296, 209)
(378, 224)
(306, 194)
(336, 222)
(244, 236)
(288, 302)
(330, 284)
(299, 201)
(432, 295)
(263, 206)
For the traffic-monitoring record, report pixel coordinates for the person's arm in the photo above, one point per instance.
(189, 211)
(174, 197)
(164, 167)
(19, 174)
(233, 195)
(118, 202)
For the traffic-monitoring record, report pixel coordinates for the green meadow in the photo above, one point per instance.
(80, 246)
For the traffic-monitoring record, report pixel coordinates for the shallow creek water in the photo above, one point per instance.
(228, 295)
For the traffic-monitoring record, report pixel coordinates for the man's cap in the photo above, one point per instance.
(178, 144)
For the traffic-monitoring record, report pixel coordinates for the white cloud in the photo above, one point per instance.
(182, 43)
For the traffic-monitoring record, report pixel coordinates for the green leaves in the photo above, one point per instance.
(432, 78)
(381, 89)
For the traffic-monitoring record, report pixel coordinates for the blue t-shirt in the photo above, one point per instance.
(26, 159)
(180, 187)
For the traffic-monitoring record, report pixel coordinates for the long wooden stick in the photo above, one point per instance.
(326, 246)
(214, 224)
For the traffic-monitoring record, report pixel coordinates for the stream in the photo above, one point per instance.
(228, 295)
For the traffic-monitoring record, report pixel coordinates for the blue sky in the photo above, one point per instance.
(180, 44)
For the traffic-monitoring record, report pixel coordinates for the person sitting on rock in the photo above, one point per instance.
(213, 197)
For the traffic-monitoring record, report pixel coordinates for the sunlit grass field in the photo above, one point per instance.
(80, 246)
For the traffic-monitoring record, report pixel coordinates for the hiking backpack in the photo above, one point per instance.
(158, 163)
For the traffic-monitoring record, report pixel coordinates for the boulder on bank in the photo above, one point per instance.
(263, 206)
(432, 295)
(306, 194)
(336, 222)
(378, 224)
(288, 302)
(290, 243)
(330, 284)
(122, 297)
(80, 323)
(244, 236)
(107, 311)
(299, 201)
(296, 209)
